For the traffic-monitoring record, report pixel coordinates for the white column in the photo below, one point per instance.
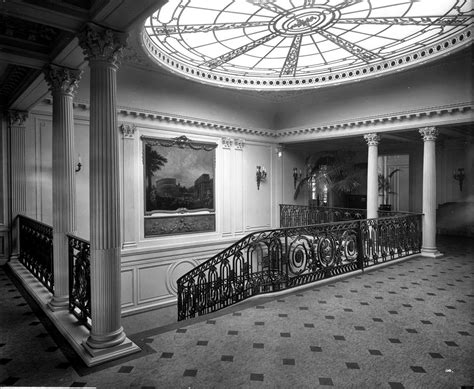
(429, 135)
(128, 185)
(63, 84)
(102, 48)
(18, 174)
(372, 176)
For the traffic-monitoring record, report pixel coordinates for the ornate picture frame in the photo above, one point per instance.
(179, 186)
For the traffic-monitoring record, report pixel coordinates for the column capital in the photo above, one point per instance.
(429, 133)
(17, 118)
(226, 143)
(239, 144)
(128, 130)
(62, 79)
(372, 139)
(102, 44)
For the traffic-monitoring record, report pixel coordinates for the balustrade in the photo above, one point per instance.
(272, 260)
(302, 215)
(79, 279)
(36, 249)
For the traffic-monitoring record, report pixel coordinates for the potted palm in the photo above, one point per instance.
(335, 171)
(385, 189)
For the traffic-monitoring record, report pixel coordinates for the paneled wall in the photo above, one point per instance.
(4, 239)
(151, 266)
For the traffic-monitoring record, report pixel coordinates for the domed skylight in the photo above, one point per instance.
(293, 44)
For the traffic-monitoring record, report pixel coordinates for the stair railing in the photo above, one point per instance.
(36, 249)
(277, 259)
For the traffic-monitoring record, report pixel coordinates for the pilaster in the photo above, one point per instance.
(129, 238)
(429, 135)
(63, 84)
(372, 176)
(16, 120)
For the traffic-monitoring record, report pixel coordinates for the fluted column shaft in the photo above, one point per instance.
(429, 135)
(63, 83)
(372, 176)
(18, 173)
(103, 48)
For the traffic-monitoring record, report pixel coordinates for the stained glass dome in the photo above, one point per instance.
(294, 44)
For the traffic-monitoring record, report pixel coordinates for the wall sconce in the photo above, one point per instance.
(279, 151)
(79, 164)
(459, 175)
(261, 175)
(296, 176)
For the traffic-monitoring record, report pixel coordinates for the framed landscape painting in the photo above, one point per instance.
(179, 186)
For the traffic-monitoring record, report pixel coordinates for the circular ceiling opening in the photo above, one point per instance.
(297, 44)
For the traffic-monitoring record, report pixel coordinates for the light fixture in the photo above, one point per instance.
(296, 176)
(279, 151)
(79, 164)
(459, 175)
(261, 175)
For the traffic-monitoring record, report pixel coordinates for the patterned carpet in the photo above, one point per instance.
(408, 325)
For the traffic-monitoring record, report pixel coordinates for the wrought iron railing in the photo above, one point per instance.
(36, 249)
(272, 260)
(79, 279)
(303, 215)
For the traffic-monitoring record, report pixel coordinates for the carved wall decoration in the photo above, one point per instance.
(128, 130)
(226, 143)
(239, 144)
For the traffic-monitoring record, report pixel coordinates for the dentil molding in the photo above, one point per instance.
(326, 128)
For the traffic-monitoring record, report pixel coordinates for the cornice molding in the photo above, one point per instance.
(379, 119)
(363, 123)
(177, 119)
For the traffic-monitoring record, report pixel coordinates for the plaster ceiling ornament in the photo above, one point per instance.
(298, 44)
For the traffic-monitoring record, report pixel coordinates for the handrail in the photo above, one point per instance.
(277, 259)
(79, 279)
(36, 249)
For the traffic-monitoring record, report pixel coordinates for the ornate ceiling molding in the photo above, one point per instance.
(325, 128)
(370, 121)
(143, 114)
(302, 44)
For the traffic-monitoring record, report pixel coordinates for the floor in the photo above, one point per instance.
(408, 325)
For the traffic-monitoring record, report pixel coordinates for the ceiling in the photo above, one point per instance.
(302, 44)
(34, 33)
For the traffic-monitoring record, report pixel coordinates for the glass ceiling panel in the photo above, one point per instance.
(293, 44)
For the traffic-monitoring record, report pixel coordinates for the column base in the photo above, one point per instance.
(100, 355)
(431, 253)
(59, 303)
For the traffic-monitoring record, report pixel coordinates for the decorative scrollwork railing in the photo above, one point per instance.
(36, 249)
(272, 260)
(79, 279)
(303, 215)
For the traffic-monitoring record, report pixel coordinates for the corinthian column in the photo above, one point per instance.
(429, 135)
(372, 176)
(63, 84)
(102, 48)
(18, 174)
